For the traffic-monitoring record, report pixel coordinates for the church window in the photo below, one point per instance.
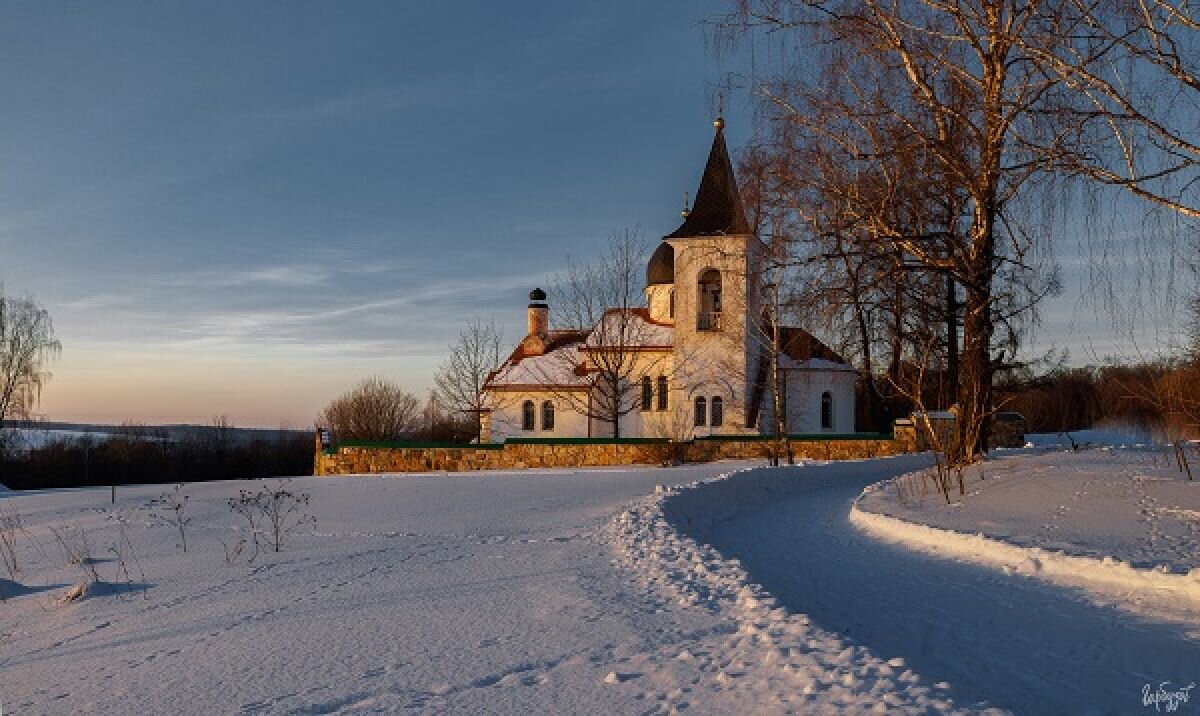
(709, 316)
(527, 415)
(662, 392)
(717, 417)
(647, 393)
(701, 412)
(547, 415)
(826, 411)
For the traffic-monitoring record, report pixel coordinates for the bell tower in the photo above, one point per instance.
(715, 294)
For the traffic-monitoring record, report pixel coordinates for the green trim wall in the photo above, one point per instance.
(586, 441)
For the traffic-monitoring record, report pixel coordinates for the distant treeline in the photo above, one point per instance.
(139, 455)
(134, 454)
(1161, 397)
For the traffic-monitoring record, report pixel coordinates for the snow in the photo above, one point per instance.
(614, 329)
(555, 368)
(1111, 436)
(817, 364)
(991, 637)
(470, 593)
(1122, 523)
(707, 589)
(936, 415)
(765, 659)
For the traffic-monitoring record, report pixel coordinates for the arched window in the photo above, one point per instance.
(527, 415)
(717, 417)
(701, 412)
(709, 301)
(826, 411)
(547, 415)
(662, 392)
(647, 393)
(671, 308)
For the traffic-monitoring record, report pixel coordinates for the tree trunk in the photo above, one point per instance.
(897, 354)
(951, 336)
(781, 438)
(975, 385)
(874, 399)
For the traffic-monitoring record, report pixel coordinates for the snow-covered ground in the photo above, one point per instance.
(630, 590)
(766, 658)
(1118, 436)
(486, 592)
(988, 636)
(1124, 523)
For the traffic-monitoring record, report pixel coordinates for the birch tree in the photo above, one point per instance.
(27, 344)
(999, 101)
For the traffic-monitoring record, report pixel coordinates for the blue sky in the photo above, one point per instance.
(244, 208)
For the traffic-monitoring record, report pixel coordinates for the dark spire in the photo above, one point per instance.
(717, 210)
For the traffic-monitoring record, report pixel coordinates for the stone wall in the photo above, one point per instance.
(354, 459)
(808, 449)
(940, 432)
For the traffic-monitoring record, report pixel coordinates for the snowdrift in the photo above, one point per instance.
(769, 658)
(1157, 590)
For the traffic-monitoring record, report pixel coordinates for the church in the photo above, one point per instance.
(699, 358)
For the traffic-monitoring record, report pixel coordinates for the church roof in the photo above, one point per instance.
(558, 366)
(563, 363)
(630, 329)
(661, 268)
(718, 209)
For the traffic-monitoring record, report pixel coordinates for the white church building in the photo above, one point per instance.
(695, 361)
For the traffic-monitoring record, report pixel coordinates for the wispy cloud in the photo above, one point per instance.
(97, 301)
(292, 276)
(320, 271)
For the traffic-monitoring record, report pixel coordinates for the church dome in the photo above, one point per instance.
(661, 268)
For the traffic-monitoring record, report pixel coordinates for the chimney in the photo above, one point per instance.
(539, 314)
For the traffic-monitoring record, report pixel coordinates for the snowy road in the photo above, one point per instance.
(1006, 640)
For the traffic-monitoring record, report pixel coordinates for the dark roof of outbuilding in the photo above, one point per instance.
(718, 209)
(800, 345)
(661, 268)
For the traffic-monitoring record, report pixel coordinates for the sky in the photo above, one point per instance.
(243, 209)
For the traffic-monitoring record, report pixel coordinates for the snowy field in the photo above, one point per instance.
(632, 590)
(1123, 522)
(1131, 505)
(476, 593)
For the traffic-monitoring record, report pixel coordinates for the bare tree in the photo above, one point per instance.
(605, 299)
(461, 379)
(376, 409)
(27, 343)
(999, 102)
